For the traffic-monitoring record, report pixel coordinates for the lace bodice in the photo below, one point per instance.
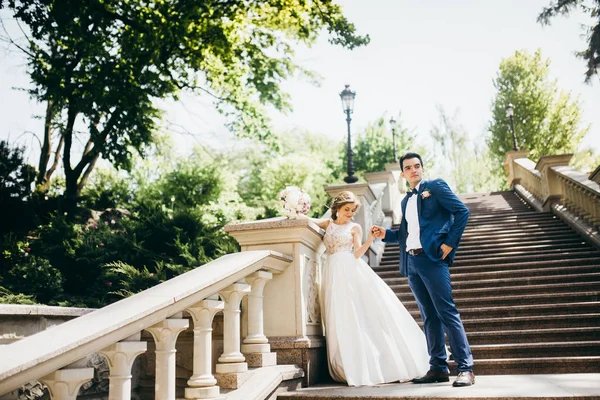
(338, 237)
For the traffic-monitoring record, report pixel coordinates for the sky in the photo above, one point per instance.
(422, 54)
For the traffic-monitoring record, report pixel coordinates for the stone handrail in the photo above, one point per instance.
(112, 331)
(528, 176)
(552, 185)
(579, 194)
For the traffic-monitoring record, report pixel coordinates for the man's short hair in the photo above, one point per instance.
(408, 156)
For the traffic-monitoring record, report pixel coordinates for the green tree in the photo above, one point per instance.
(16, 184)
(304, 160)
(591, 55)
(100, 64)
(546, 119)
(465, 164)
(373, 147)
(451, 138)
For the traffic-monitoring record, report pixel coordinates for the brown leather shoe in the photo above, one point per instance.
(432, 377)
(464, 379)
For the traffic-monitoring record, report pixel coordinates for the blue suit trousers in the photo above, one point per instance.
(430, 283)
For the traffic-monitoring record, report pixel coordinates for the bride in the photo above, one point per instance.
(371, 337)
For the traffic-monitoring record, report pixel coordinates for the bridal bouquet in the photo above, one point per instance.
(294, 201)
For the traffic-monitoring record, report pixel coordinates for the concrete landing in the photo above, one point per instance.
(518, 387)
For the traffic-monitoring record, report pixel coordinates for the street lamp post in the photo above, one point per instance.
(393, 125)
(347, 97)
(510, 112)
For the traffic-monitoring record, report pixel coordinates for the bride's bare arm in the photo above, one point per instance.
(321, 222)
(357, 234)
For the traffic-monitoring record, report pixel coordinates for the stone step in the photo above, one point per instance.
(515, 233)
(510, 240)
(551, 255)
(535, 365)
(477, 219)
(530, 350)
(517, 256)
(525, 269)
(512, 226)
(492, 300)
(522, 270)
(404, 292)
(508, 243)
(510, 302)
(513, 251)
(571, 334)
(533, 310)
(500, 323)
(515, 380)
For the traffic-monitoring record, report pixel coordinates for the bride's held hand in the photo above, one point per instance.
(377, 232)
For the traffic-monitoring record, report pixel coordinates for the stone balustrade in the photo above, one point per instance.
(54, 356)
(552, 185)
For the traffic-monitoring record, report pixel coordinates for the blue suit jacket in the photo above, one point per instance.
(442, 219)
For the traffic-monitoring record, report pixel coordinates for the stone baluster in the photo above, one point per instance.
(256, 345)
(202, 382)
(120, 357)
(232, 360)
(165, 337)
(64, 384)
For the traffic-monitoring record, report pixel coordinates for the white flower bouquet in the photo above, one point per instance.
(294, 201)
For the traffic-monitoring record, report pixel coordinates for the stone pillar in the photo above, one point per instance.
(292, 320)
(509, 166)
(232, 360)
(165, 337)
(64, 384)
(256, 346)
(120, 357)
(551, 188)
(202, 383)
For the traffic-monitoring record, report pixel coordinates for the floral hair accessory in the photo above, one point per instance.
(426, 193)
(294, 201)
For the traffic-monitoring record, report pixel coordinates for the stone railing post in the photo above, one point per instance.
(165, 337)
(256, 345)
(232, 363)
(595, 175)
(397, 190)
(509, 166)
(292, 319)
(552, 190)
(232, 359)
(384, 185)
(64, 384)
(202, 384)
(120, 357)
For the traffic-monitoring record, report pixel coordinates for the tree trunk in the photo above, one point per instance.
(46, 152)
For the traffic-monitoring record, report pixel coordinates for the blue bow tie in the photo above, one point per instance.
(410, 193)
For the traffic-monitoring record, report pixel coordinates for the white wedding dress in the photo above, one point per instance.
(371, 337)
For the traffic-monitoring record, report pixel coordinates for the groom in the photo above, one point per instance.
(433, 220)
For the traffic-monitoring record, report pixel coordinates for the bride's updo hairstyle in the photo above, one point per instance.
(341, 200)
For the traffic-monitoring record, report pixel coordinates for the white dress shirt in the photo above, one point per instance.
(413, 240)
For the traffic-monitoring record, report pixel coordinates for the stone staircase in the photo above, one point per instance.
(527, 288)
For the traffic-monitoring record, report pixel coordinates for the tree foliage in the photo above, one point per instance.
(546, 119)
(373, 147)
(451, 138)
(101, 64)
(591, 55)
(16, 184)
(463, 162)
